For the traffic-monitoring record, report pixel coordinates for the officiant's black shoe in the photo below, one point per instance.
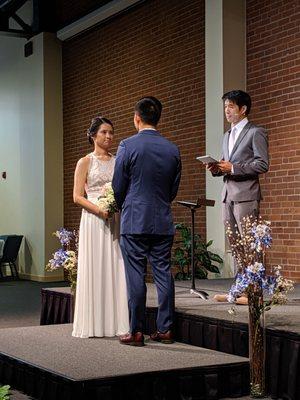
(166, 338)
(132, 339)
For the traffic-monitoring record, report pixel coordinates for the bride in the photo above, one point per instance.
(101, 307)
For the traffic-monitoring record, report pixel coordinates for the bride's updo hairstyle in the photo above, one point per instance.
(95, 125)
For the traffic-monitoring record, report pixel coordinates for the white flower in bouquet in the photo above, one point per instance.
(107, 200)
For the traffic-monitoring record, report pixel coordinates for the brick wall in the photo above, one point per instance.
(273, 65)
(154, 49)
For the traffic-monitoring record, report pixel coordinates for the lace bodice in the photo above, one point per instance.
(100, 172)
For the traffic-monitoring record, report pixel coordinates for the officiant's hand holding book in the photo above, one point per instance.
(210, 163)
(207, 159)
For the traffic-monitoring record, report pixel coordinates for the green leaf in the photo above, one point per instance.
(201, 246)
(178, 226)
(215, 257)
(203, 258)
(4, 392)
(197, 238)
(179, 276)
(212, 268)
(179, 252)
(209, 243)
(200, 273)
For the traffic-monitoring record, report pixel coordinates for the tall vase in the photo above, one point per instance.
(256, 342)
(72, 279)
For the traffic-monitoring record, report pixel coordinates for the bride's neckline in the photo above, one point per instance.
(99, 159)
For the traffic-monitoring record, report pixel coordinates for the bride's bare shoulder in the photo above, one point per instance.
(83, 163)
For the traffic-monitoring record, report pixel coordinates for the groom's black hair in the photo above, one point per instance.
(149, 110)
(240, 98)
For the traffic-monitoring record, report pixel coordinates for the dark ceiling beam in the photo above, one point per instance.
(27, 28)
(4, 25)
(15, 33)
(43, 16)
(9, 7)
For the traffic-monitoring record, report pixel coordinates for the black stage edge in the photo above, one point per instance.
(282, 348)
(57, 306)
(282, 353)
(194, 384)
(121, 373)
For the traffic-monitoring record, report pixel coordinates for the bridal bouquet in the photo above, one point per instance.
(106, 201)
(65, 257)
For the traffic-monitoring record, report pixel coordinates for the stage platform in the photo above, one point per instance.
(284, 318)
(281, 318)
(47, 363)
(208, 324)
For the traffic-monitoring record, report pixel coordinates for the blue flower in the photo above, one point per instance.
(262, 235)
(59, 258)
(64, 236)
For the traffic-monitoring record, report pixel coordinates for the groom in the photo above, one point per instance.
(146, 180)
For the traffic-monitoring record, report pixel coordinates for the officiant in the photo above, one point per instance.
(244, 158)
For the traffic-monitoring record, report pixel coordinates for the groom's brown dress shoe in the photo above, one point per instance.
(132, 339)
(165, 338)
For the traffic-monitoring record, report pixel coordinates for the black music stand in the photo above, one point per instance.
(193, 207)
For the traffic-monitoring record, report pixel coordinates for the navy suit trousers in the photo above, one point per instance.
(136, 250)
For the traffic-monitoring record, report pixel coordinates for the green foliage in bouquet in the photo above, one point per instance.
(204, 259)
(4, 392)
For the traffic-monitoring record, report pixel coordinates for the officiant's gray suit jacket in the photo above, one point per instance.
(249, 158)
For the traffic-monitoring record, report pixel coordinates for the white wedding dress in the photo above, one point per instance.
(101, 307)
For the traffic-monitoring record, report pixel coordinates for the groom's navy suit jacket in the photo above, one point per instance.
(146, 180)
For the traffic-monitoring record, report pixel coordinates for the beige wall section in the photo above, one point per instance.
(234, 44)
(31, 158)
(10, 212)
(234, 62)
(53, 135)
(22, 143)
(31, 149)
(225, 69)
(214, 120)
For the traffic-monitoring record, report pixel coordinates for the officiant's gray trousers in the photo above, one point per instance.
(235, 211)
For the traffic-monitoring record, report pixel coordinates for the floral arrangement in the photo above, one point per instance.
(65, 257)
(248, 249)
(106, 201)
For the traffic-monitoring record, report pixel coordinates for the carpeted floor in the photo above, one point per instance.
(20, 305)
(20, 302)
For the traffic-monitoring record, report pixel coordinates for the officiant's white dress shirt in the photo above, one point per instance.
(238, 129)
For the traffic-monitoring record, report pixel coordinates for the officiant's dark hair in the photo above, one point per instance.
(239, 98)
(95, 125)
(149, 110)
